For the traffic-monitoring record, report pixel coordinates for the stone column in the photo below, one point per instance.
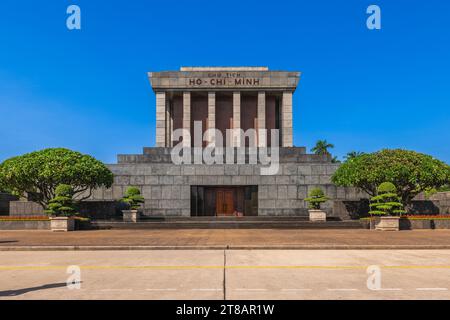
(211, 115)
(286, 120)
(160, 119)
(236, 119)
(171, 125)
(261, 119)
(168, 129)
(187, 118)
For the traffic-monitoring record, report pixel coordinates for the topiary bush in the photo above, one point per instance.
(133, 198)
(387, 201)
(315, 198)
(62, 204)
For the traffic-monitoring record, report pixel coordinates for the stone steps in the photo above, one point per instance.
(228, 224)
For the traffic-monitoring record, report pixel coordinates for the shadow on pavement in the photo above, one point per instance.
(17, 292)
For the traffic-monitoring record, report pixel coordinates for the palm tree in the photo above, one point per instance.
(335, 160)
(322, 147)
(353, 154)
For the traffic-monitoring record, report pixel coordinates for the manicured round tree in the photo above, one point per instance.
(39, 173)
(62, 204)
(315, 198)
(410, 171)
(387, 201)
(133, 198)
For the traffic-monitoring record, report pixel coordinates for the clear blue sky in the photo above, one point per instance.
(360, 89)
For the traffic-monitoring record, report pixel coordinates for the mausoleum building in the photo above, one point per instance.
(254, 101)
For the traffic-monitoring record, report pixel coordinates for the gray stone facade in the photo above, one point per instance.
(166, 187)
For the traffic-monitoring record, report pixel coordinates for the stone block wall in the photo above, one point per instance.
(438, 203)
(25, 208)
(166, 187)
(5, 200)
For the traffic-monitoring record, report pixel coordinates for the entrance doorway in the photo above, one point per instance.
(224, 201)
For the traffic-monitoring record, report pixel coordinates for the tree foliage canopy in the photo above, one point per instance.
(39, 173)
(411, 172)
(353, 154)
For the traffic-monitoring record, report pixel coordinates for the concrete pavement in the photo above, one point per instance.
(230, 274)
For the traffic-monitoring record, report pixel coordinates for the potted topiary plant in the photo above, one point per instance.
(315, 199)
(387, 205)
(133, 200)
(62, 209)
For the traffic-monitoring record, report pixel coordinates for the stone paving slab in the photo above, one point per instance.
(224, 239)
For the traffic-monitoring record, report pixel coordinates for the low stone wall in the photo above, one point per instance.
(108, 209)
(5, 200)
(25, 208)
(440, 202)
(25, 225)
(39, 225)
(413, 224)
(101, 210)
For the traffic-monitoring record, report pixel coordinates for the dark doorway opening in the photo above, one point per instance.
(224, 201)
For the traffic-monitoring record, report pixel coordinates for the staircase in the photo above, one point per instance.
(229, 223)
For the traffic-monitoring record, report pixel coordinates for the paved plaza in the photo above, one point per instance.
(231, 238)
(226, 274)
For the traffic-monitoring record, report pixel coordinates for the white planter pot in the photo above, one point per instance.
(130, 215)
(317, 215)
(388, 224)
(63, 224)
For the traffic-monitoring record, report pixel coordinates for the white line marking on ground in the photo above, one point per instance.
(116, 289)
(294, 290)
(168, 289)
(206, 289)
(431, 289)
(243, 289)
(343, 289)
(388, 289)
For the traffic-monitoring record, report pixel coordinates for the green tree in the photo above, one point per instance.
(39, 173)
(62, 204)
(410, 171)
(322, 147)
(353, 154)
(315, 198)
(133, 198)
(335, 160)
(387, 201)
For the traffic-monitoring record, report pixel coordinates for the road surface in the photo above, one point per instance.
(226, 274)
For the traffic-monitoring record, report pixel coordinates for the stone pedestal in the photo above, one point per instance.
(130, 215)
(317, 215)
(63, 224)
(388, 224)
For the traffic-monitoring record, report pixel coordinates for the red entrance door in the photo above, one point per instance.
(224, 202)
